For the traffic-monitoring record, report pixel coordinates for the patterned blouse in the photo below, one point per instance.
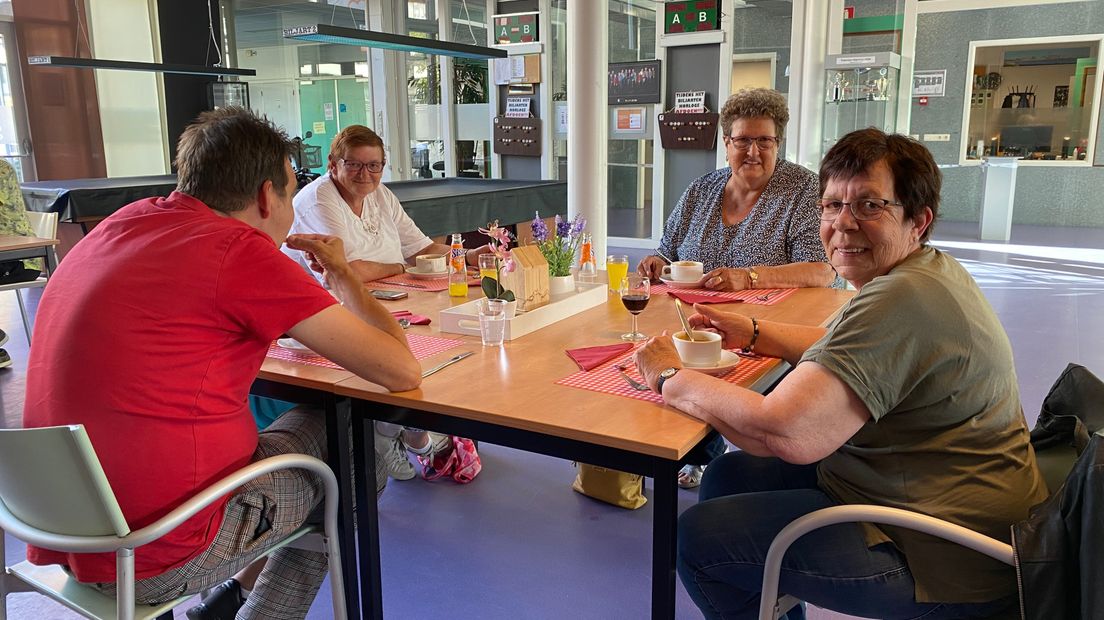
(782, 227)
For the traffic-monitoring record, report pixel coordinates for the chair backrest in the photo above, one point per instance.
(43, 224)
(51, 480)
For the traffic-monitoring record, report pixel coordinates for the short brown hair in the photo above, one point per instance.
(226, 155)
(756, 103)
(917, 181)
(352, 137)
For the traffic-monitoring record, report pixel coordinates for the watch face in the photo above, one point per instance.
(670, 372)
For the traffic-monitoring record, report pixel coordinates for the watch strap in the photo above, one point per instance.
(666, 374)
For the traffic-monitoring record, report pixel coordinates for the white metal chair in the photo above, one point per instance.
(54, 494)
(45, 226)
(1055, 465)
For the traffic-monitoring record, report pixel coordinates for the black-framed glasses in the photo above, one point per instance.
(744, 142)
(865, 209)
(353, 167)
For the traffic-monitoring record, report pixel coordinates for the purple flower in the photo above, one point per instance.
(540, 230)
(577, 225)
(562, 227)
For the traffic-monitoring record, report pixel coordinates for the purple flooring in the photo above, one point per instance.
(518, 543)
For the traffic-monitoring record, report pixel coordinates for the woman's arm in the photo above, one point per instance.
(793, 275)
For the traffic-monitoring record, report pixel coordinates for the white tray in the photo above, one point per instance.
(464, 319)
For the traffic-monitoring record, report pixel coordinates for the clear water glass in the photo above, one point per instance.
(492, 321)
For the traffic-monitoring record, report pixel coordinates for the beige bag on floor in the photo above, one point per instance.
(611, 486)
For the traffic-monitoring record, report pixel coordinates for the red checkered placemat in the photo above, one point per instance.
(751, 296)
(607, 380)
(425, 285)
(421, 345)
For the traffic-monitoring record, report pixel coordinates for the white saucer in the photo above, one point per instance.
(680, 283)
(414, 272)
(293, 345)
(728, 361)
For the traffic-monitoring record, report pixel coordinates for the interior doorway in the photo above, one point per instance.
(753, 70)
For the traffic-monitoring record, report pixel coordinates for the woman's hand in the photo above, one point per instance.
(472, 255)
(656, 356)
(735, 329)
(651, 267)
(727, 279)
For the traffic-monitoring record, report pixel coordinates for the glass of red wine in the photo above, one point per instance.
(635, 292)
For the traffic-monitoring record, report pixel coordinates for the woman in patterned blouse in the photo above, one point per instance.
(753, 224)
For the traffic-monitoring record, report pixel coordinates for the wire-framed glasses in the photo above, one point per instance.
(744, 142)
(353, 166)
(865, 209)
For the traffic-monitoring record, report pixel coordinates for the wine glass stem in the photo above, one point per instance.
(633, 330)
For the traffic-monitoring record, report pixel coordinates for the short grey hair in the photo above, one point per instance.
(756, 103)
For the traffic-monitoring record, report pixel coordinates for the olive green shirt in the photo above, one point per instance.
(924, 351)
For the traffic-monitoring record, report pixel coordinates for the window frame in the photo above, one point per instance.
(1094, 118)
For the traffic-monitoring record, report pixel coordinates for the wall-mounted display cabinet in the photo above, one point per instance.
(1033, 99)
(861, 92)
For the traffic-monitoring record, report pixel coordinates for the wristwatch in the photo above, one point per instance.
(664, 376)
(753, 277)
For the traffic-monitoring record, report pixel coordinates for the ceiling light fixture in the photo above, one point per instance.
(130, 65)
(322, 33)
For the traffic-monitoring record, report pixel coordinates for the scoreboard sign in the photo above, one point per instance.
(691, 16)
(515, 28)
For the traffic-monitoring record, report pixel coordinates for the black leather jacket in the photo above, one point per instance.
(1059, 548)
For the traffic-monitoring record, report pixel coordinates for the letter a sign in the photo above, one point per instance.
(691, 16)
(515, 28)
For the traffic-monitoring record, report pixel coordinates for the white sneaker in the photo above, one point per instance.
(394, 458)
(437, 443)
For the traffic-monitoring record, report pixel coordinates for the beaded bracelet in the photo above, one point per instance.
(754, 336)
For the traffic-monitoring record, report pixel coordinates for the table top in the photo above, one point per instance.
(19, 242)
(515, 385)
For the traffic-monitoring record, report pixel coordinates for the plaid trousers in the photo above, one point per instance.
(258, 516)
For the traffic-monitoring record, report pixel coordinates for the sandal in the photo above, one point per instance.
(690, 476)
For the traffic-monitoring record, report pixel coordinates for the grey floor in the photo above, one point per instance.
(517, 543)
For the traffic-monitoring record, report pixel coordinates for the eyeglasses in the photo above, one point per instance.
(744, 143)
(353, 166)
(866, 209)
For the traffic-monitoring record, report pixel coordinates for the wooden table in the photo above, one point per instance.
(507, 395)
(17, 247)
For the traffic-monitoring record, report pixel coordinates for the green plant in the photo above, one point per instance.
(504, 263)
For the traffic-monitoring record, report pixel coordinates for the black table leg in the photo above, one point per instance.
(364, 459)
(664, 530)
(338, 448)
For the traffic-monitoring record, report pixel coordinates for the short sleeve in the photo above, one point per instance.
(878, 351)
(411, 238)
(262, 291)
(804, 231)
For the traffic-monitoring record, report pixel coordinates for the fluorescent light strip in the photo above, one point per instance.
(322, 33)
(128, 65)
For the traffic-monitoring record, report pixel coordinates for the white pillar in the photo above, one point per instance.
(389, 104)
(808, 47)
(447, 110)
(587, 57)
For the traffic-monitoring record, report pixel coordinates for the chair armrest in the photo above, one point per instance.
(883, 515)
(157, 529)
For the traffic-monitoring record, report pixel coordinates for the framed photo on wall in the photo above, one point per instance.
(634, 82)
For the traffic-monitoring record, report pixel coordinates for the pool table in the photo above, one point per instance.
(438, 206)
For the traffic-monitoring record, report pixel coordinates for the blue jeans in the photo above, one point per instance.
(745, 502)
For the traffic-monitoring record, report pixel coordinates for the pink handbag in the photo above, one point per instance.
(462, 462)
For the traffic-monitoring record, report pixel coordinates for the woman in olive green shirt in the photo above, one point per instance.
(908, 399)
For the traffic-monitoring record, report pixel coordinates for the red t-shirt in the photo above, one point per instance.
(150, 333)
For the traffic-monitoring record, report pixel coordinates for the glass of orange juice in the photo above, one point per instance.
(487, 267)
(617, 267)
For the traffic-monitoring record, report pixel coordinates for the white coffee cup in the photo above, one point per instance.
(430, 263)
(704, 351)
(684, 271)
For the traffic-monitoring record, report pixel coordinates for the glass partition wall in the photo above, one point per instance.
(632, 37)
(1035, 101)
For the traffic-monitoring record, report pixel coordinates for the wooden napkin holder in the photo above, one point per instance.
(529, 279)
